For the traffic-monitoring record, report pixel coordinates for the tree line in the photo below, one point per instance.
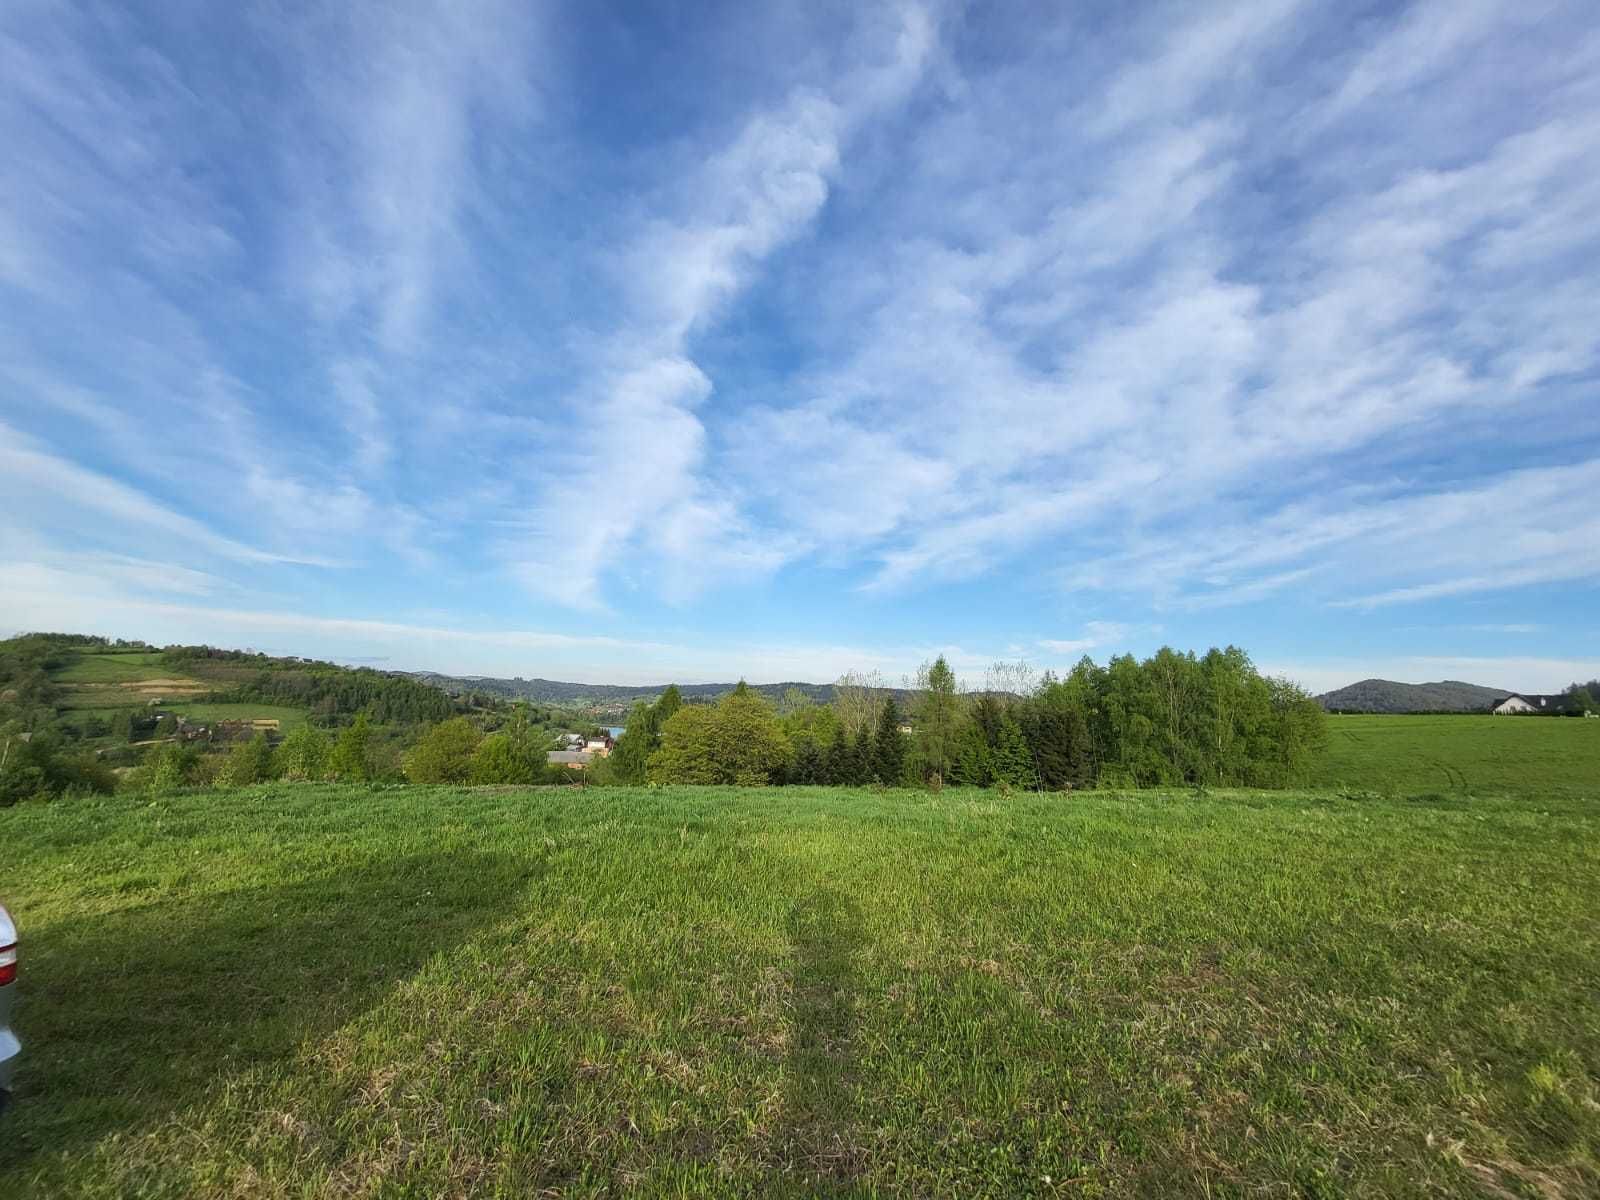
(455, 751)
(1171, 719)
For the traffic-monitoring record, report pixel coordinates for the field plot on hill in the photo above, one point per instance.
(427, 991)
(113, 667)
(203, 713)
(104, 681)
(1534, 756)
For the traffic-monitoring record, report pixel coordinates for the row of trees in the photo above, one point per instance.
(457, 751)
(1167, 720)
(306, 754)
(453, 751)
(1583, 698)
(1172, 719)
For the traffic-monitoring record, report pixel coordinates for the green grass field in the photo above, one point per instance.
(1538, 756)
(426, 991)
(117, 680)
(114, 667)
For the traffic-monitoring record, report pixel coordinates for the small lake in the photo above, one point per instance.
(615, 730)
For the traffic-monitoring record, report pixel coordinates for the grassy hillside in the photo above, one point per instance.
(1539, 756)
(129, 679)
(418, 992)
(103, 682)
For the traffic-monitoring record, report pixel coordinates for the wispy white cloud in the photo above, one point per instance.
(638, 440)
(1057, 403)
(1096, 634)
(1520, 528)
(34, 482)
(865, 313)
(385, 169)
(102, 597)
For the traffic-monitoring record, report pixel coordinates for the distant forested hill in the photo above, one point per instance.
(1387, 696)
(554, 691)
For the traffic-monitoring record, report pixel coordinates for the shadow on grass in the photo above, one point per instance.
(819, 1141)
(135, 1015)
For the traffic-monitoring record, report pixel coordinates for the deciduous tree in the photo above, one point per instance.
(937, 720)
(444, 753)
(351, 758)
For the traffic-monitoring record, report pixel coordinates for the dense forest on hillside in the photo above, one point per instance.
(1388, 696)
(330, 693)
(1447, 696)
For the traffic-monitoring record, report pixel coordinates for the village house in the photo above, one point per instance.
(1518, 704)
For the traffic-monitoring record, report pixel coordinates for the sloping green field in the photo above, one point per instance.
(422, 992)
(123, 680)
(113, 667)
(1470, 755)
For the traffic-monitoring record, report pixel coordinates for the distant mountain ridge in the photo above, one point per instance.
(610, 695)
(1388, 696)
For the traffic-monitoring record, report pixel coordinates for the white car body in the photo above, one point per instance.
(10, 1048)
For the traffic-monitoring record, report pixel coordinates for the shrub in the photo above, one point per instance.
(303, 755)
(165, 768)
(736, 741)
(505, 758)
(351, 758)
(247, 763)
(445, 753)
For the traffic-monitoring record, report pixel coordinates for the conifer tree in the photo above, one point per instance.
(890, 750)
(836, 766)
(1011, 762)
(863, 759)
(808, 764)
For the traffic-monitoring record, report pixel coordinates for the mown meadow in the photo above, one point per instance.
(1463, 755)
(306, 990)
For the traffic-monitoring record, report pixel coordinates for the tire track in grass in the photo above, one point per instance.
(819, 1141)
(1453, 775)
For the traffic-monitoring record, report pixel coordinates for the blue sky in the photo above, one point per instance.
(620, 343)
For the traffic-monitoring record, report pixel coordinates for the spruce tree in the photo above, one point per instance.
(808, 765)
(971, 767)
(891, 748)
(863, 759)
(836, 768)
(640, 739)
(1011, 761)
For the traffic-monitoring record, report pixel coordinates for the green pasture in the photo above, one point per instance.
(1464, 755)
(325, 991)
(114, 667)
